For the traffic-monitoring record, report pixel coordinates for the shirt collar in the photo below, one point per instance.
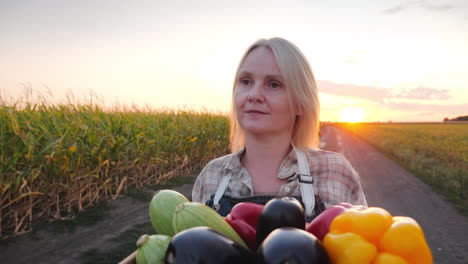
(288, 167)
(234, 161)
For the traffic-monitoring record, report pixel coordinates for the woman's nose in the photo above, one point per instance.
(256, 94)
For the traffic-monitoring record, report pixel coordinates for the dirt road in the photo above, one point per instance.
(385, 184)
(389, 186)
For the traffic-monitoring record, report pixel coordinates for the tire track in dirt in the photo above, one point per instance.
(388, 185)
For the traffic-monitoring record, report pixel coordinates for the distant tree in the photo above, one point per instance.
(459, 118)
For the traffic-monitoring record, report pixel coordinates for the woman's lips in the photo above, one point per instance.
(255, 112)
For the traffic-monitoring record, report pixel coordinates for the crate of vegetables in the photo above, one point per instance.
(274, 233)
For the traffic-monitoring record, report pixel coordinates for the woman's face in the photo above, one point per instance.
(260, 96)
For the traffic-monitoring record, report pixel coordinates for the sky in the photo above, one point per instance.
(374, 60)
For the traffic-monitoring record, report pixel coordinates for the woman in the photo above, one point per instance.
(274, 138)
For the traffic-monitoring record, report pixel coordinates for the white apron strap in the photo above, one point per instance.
(306, 183)
(221, 188)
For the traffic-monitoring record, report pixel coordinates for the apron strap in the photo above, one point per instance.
(306, 183)
(221, 189)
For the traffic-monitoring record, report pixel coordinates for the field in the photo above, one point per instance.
(437, 153)
(59, 159)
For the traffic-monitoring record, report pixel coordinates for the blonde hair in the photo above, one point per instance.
(302, 93)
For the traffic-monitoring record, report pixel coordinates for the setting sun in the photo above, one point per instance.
(352, 114)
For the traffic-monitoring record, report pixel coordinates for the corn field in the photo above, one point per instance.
(56, 159)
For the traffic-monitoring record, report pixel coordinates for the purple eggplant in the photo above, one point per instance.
(205, 245)
(279, 212)
(291, 245)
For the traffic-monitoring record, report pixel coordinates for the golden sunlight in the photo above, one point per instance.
(352, 114)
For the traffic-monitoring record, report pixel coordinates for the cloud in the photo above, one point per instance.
(433, 102)
(424, 93)
(440, 8)
(370, 93)
(418, 4)
(395, 9)
(380, 94)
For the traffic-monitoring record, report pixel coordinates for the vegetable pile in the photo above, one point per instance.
(276, 233)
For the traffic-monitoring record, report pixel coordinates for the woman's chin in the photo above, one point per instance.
(258, 130)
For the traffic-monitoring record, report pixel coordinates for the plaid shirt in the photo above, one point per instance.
(335, 180)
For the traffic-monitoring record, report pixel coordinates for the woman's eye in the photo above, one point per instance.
(245, 81)
(275, 85)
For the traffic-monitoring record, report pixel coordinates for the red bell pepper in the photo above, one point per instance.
(321, 224)
(243, 219)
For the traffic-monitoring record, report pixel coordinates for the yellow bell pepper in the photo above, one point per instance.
(373, 236)
(349, 248)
